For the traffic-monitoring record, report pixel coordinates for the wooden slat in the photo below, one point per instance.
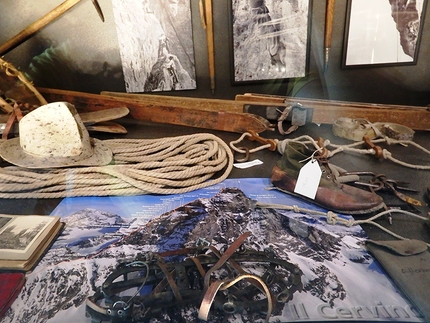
(163, 111)
(328, 111)
(179, 101)
(92, 117)
(107, 126)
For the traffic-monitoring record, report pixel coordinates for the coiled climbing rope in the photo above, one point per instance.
(171, 165)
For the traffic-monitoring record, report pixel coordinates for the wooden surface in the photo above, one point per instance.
(187, 112)
(197, 103)
(328, 111)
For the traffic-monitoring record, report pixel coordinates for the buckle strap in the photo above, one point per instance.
(169, 277)
(227, 254)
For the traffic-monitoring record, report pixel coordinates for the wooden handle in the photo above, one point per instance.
(36, 26)
(329, 15)
(210, 41)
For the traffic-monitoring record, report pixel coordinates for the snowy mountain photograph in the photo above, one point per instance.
(339, 280)
(156, 45)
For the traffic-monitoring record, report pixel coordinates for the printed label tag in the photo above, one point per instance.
(309, 179)
(249, 164)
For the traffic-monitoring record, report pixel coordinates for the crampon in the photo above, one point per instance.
(216, 282)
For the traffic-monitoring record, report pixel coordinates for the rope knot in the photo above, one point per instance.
(350, 222)
(296, 209)
(386, 154)
(332, 217)
(390, 141)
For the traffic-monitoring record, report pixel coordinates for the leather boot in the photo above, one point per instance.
(331, 193)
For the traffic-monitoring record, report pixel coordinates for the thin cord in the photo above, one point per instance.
(352, 148)
(333, 218)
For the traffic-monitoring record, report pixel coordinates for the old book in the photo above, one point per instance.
(25, 238)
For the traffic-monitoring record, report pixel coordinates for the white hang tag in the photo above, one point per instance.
(309, 179)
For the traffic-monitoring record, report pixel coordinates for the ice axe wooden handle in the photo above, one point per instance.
(39, 24)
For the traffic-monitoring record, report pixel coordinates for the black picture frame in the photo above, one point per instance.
(383, 32)
(270, 40)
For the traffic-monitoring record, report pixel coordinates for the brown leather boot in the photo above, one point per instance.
(331, 194)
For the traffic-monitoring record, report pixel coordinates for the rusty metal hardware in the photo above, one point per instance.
(256, 137)
(299, 117)
(244, 158)
(98, 9)
(380, 182)
(377, 149)
(271, 144)
(183, 277)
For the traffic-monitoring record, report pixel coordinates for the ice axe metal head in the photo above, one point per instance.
(98, 9)
(42, 22)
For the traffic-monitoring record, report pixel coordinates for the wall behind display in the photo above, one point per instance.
(79, 52)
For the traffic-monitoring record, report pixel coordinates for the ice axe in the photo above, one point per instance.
(42, 22)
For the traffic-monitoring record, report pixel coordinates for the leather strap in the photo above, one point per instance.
(213, 289)
(176, 287)
(16, 115)
(356, 129)
(227, 254)
(170, 279)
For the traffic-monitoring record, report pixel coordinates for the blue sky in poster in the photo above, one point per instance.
(150, 206)
(330, 269)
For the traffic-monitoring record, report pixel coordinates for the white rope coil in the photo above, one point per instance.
(172, 165)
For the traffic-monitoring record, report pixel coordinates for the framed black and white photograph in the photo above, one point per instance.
(270, 39)
(156, 44)
(381, 32)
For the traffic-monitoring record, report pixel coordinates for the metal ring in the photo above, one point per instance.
(229, 307)
(244, 159)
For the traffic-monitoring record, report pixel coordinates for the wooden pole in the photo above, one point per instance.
(207, 17)
(36, 26)
(328, 32)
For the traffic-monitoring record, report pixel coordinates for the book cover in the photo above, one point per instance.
(10, 286)
(24, 238)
